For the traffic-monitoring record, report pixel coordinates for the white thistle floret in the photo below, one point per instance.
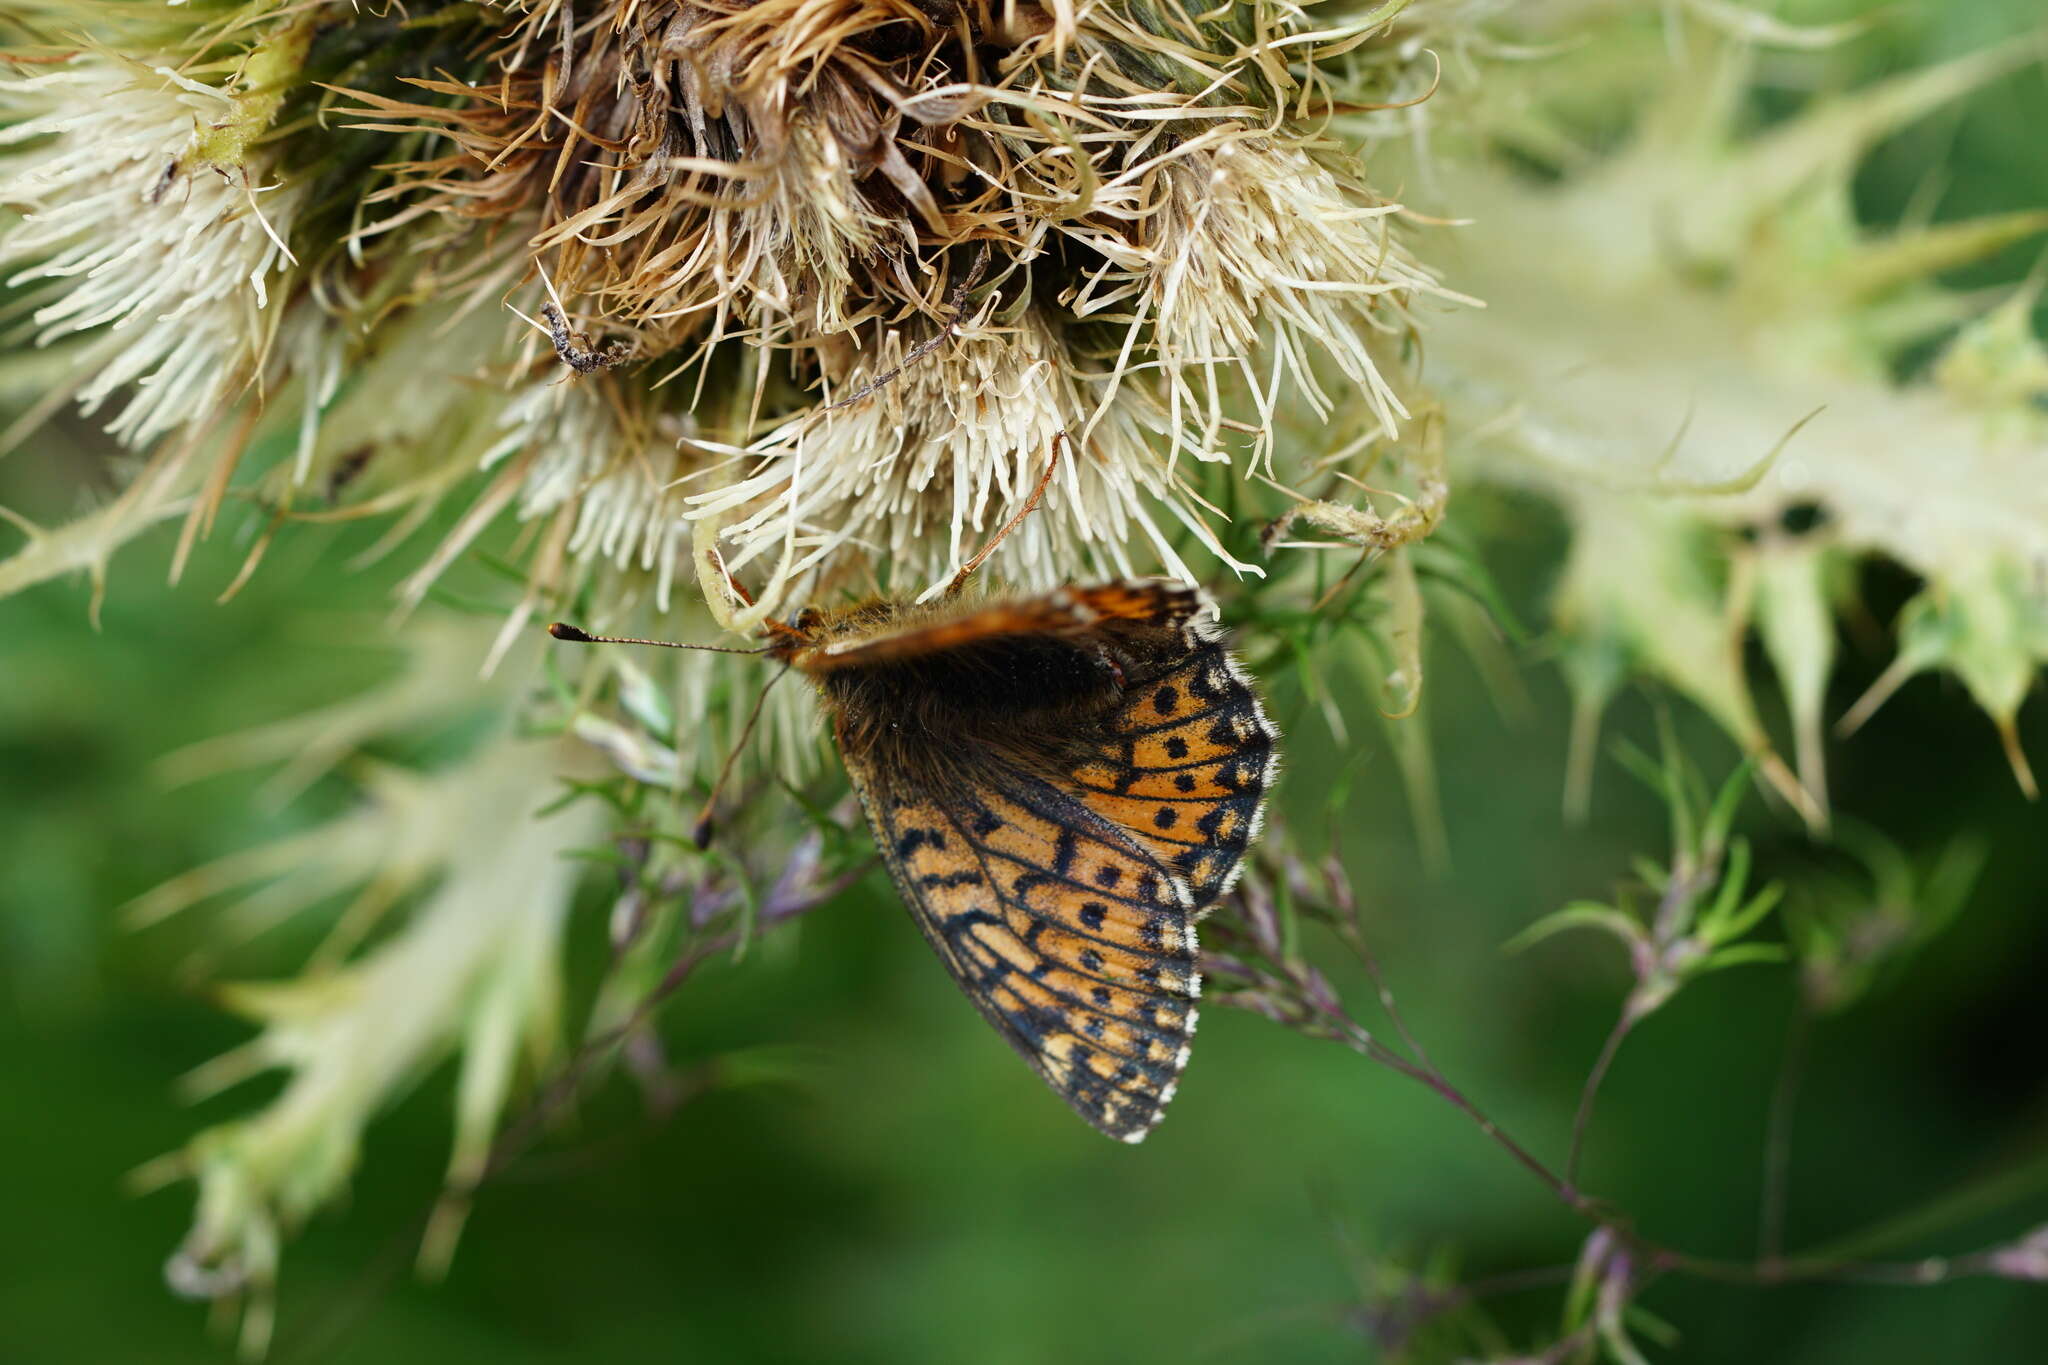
(122, 230)
(919, 473)
(1263, 262)
(624, 474)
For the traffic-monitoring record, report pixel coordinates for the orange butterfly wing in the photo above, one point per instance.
(1064, 931)
(1183, 764)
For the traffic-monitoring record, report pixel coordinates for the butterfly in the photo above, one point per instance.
(1060, 786)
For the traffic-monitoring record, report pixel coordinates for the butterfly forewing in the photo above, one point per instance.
(1066, 933)
(1065, 613)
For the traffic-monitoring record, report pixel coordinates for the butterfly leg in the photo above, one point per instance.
(959, 581)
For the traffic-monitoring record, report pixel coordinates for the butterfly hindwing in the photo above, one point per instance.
(1065, 932)
(1183, 763)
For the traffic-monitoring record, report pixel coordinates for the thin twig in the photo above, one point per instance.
(1366, 1045)
(1657, 1256)
(520, 1134)
(1778, 1136)
(1624, 1023)
(1354, 935)
(1327, 1018)
(1674, 913)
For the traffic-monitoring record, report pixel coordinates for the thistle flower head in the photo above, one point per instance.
(871, 256)
(830, 277)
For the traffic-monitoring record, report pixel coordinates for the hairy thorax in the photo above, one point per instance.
(1028, 694)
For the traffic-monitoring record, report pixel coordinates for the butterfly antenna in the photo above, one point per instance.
(562, 630)
(1030, 505)
(700, 833)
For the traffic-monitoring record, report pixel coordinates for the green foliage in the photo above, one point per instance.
(1855, 930)
(1700, 912)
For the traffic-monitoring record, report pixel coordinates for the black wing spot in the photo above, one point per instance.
(1165, 699)
(1100, 995)
(986, 822)
(1091, 960)
(1036, 1021)
(947, 880)
(1204, 684)
(963, 925)
(1092, 914)
(1063, 852)
(1165, 817)
(1183, 782)
(1224, 733)
(915, 839)
(1176, 747)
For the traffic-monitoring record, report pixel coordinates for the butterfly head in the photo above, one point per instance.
(784, 640)
(818, 628)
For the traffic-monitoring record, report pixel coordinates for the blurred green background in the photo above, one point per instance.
(914, 1195)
